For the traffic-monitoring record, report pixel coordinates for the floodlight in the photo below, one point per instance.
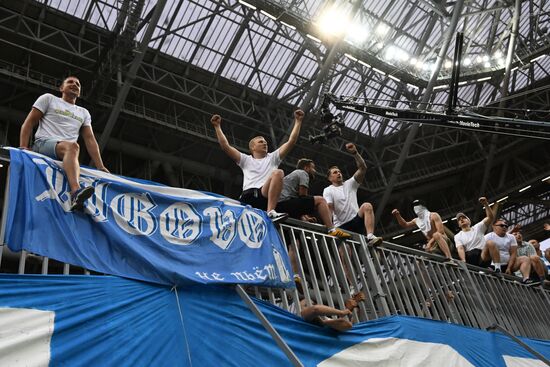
(467, 61)
(487, 64)
(498, 54)
(382, 29)
(485, 58)
(334, 21)
(357, 33)
(448, 64)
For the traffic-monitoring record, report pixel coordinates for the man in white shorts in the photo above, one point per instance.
(470, 241)
(60, 122)
(263, 181)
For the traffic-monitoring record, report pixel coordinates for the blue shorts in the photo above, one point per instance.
(46, 147)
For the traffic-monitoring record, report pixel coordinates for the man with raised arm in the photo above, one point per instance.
(60, 121)
(262, 181)
(431, 225)
(470, 241)
(341, 197)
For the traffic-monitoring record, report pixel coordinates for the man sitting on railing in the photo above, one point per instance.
(431, 225)
(341, 197)
(470, 241)
(295, 200)
(507, 246)
(526, 249)
(263, 181)
(60, 121)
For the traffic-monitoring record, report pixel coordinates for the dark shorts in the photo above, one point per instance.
(473, 257)
(296, 207)
(357, 225)
(254, 198)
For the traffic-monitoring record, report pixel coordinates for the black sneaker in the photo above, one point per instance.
(80, 196)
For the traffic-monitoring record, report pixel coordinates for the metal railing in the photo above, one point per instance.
(401, 281)
(395, 280)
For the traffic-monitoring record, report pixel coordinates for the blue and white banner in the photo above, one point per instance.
(110, 321)
(140, 229)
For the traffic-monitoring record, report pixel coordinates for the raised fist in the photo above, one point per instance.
(299, 115)
(483, 200)
(350, 147)
(395, 212)
(216, 120)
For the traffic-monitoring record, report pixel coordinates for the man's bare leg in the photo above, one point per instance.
(442, 243)
(68, 152)
(490, 251)
(323, 210)
(272, 189)
(366, 212)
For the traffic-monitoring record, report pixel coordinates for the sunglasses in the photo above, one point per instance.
(501, 225)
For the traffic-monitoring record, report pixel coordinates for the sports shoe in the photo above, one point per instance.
(529, 281)
(298, 283)
(337, 232)
(275, 217)
(375, 241)
(80, 196)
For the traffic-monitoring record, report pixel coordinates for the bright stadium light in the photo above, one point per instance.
(334, 21)
(448, 64)
(467, 61)
(498, 54)
(357, 33)
(391, 53)
(382, 29)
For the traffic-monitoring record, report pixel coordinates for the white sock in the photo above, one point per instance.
(331, 229)
(498, 266)
(370, 235)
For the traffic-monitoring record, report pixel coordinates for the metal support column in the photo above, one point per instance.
(503, 93)
(457, 11)
(327, 64)
(267, 325)
(131, 76)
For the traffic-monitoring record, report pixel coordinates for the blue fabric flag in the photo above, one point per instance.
(109, 321)
(141, 230)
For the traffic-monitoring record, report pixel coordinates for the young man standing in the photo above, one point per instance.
(263, 181)
(341, 197)
(60, 121)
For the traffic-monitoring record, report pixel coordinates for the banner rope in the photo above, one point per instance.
(175, 289)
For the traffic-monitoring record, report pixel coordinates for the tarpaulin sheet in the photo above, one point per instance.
(109, 321)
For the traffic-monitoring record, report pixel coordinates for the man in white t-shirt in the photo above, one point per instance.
(263, 181)
(60, 122)
(341, 197)
(470, 241)
(507, 247)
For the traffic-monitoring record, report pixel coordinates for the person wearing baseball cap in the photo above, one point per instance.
(470, 241)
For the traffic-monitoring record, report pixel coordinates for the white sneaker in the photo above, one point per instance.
(275, 217)
(374, 241)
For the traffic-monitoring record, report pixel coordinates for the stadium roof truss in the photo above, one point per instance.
(173, 62)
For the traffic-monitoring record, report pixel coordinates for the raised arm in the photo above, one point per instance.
(92, 148)
(31, 121)
(233, 153)
(293, 138)
(359, 175)
(402, 222)
(489, 214)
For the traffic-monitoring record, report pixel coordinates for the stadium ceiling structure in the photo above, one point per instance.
(153, 72)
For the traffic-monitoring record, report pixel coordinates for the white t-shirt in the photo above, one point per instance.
(257, 171)
(472, 239)
(61, 120)
(344, 200)
(503, 244)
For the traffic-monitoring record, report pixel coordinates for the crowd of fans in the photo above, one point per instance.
(60, 122)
